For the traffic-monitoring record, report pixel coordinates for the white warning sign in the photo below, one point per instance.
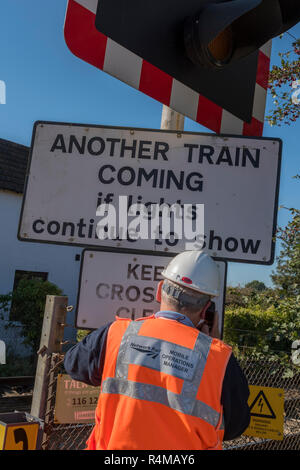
(123, 284)
(79, 173)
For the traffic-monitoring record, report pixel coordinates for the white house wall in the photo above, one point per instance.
(58, 261)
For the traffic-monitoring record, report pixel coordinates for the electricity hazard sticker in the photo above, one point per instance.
(267, 412)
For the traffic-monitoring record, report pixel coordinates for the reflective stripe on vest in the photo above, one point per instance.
(167, 357)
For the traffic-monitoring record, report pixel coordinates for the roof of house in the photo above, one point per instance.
(13, 164)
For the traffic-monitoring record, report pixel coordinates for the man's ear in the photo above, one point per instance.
(158, 291)
(201, 315)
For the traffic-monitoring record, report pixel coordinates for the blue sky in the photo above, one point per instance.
(45, 81)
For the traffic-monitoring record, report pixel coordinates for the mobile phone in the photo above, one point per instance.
(210, 315)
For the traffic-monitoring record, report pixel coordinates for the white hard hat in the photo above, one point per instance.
(195, 270)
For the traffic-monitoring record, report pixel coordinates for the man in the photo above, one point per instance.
(165, 385)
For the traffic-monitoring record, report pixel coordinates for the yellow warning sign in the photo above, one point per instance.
(2, 436)
(267, 412)
(20, 431)
(21, 437)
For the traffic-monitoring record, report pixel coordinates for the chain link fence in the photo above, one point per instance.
(266, 373)
(271, 373)
(61, 436)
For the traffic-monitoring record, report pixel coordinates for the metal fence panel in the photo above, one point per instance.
(267, 373)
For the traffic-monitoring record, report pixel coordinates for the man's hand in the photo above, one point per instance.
(214, 330)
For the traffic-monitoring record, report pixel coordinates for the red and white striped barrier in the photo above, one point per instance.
(90, 45)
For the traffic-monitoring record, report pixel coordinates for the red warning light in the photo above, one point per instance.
(187, 280)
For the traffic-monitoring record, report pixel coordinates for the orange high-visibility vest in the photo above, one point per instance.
(161, 388)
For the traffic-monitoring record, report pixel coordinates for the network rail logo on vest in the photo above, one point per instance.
(151, 352)
(163, 356)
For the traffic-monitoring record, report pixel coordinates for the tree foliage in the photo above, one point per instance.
(263, 320)
(257, 286)
(282, 78)
(287, 274)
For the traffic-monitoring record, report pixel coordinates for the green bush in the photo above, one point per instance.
(285, 327)
(28, 305)
(265, 330)
(246, 326)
